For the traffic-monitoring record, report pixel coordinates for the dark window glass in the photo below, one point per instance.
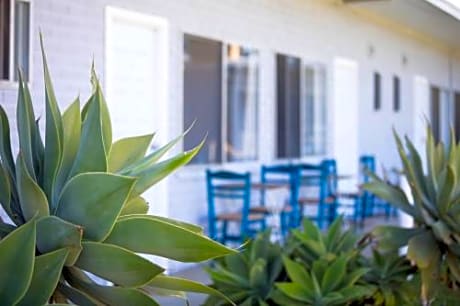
(242, 100)
(21, 38)
(457, 115)
(4, 39)
(396, 94)
(288, 106)
(435, 112)
(377, 91)
(202, 96)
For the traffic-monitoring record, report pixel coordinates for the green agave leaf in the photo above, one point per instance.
(355, 275)
(258, 273)
(156, 172)
(237, 264)
(114, 296)
(181, 284)
(118, 265)
(71, 121)
(5, 144)
(423, 250)
(393, 195)
(393, 237)
(152, 158)
(191, 227)
(127, 151)
(334, 275)
(442, 232)
(32, 198)
(431, 155)
(76, 296)
(417, 168)
(54, 233)
(134, 206)
(105, 114)
(446, 190)
(46, 274)
(39, 153)
(53, 132)
(171, 241)
(26, 124)
(298, 274)
(223, 278)
(91, 155)
(17, 254)
(315, 247)
(5, 190)
(96, 211)
(295, 291)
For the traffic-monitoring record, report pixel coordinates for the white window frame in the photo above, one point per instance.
(11, 83)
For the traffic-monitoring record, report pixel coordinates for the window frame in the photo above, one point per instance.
(10, 82)
(224, 102)
(315, 65)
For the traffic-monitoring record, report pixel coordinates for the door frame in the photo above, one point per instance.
(159, 25)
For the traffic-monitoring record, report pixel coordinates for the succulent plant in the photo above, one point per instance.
(434, 241)
(310, 244)
(389, 278)
(74, 199)
(248, 278)
(326, 283)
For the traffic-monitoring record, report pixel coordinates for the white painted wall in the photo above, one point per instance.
(316, 30)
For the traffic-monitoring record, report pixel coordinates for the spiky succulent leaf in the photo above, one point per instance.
(17, 255)
(171, 240)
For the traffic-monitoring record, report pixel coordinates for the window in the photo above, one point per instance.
(442, 113)
(242, 101)
(14, 39)
(301, 108)
(377, 91)
(221, 94)
(396, 94)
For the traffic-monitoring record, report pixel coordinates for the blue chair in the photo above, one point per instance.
(235, 187)
(371, 204)
(283, 174)
(323, 177)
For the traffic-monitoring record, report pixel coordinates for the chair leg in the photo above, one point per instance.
(224, 232)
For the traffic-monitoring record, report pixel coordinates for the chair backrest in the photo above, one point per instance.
(283, 174)
(224, 184)
(366, 163)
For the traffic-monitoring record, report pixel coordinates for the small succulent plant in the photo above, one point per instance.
(76, 206)
(248, 277)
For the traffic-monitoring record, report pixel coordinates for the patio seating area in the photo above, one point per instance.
(241, 204)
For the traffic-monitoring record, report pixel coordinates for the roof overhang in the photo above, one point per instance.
(435, 21)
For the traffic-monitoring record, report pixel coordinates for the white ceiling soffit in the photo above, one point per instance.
(438, 19)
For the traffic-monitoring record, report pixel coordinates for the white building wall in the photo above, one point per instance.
(316, 30)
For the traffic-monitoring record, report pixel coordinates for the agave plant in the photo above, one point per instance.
(434, 242)
(248, 277)
(77, 212)
(388, 277)
(310, 244)
(327, 283)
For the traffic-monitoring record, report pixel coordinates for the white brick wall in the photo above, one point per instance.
(316, 30)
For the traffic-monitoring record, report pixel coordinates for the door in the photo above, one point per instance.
(345, 120)
(137, 82)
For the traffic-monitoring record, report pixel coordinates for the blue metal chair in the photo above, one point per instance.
(235, 187)
(283, 174)
(323, 177)
(371, 204)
